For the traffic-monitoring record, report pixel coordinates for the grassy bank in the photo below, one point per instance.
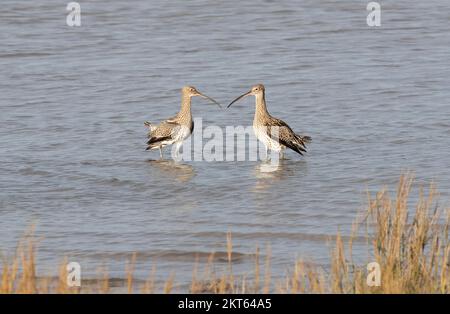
(410, 243)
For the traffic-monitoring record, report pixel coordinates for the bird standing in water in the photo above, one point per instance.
(176, 129)
(274, 133)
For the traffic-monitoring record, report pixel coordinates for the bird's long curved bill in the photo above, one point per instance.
(210, 99)
(240, 97)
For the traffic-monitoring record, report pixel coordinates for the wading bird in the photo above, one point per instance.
(274, 133)
(176, 129)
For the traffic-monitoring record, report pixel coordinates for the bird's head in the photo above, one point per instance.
(256, 90)
(191, 91)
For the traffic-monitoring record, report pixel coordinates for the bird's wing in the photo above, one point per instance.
(163, 129)
(151, 127)
(279, 131)
(162, 133)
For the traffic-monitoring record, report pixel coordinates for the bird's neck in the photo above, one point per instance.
(185, 114)
(261, 109)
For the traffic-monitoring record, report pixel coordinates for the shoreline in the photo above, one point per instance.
(409, 243)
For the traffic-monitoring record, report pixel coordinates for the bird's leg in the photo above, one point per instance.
(267, 153)
(160, 152)
(176, 154)
(281, 154)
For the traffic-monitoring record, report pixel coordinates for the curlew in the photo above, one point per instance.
(274, 133)
(176, 129)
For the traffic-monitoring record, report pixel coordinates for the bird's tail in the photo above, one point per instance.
(299, 144)
(306, 139)
(150, 126)
(299, 148)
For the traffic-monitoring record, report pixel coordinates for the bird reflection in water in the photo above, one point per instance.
(172, 169)
(270, 173)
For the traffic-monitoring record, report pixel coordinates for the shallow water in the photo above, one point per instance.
(73, 102)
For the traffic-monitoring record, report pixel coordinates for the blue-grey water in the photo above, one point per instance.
(73, 100)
